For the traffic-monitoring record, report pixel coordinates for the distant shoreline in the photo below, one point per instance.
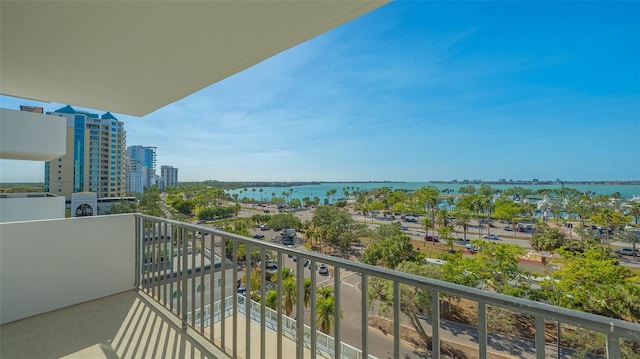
(306, 183)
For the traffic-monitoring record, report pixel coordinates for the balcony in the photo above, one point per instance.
(31, 136)
(126, 286)
(16, 207)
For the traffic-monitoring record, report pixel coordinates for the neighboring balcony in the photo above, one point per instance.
(31, 136)
(15, 207)
(129, 286)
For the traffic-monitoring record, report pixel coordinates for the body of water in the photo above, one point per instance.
(320, 190)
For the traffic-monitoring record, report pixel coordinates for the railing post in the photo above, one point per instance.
(185, 277)
(396, 319)
(613, 346)
(435, 324)
(247, 300)
(336, 330)
(235, 300)
(279, 306)
(138, 250)
(263, 284)
(482, 330)
(540, 331)
(300, 308)
(314, 330)
(365, 317)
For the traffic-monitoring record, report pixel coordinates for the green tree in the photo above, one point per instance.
(336, 227)
(124, 207)
(325, 310)
(463, 219)
(609, 219)
(150, 203)
(427, 223)
(550, 239)
(414, 301)
(594, 282)
(496, 266)
(288, 294)
(389, 249)
(507, 210)
(284, 220)
(634, 209)
(445, 235)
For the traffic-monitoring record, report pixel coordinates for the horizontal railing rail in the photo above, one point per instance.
(183, 290)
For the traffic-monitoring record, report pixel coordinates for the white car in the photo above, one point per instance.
(490, 236)
(323, 269)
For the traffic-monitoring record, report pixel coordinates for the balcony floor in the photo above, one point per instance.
(125, 325)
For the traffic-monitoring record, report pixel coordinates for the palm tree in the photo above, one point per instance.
(253, 194)
(635, 210)
(450, 201)
(442, 217)
(288, 294)
(307, 292)
(463, 218)
(272, 299)
(261, 190)
(325, 308)
(428, 224)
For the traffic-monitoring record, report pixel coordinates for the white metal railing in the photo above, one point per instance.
(182, 291)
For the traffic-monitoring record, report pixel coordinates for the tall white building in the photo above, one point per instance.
(94, 159)
(134, 176)
(169, 176)
(145, 156)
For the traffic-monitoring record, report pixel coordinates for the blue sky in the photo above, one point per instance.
(418, 91)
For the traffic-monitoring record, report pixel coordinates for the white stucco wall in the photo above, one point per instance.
(52, 264)
(31, 136)
(14, 209)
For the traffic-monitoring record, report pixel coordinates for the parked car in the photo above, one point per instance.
(270, 264)
(508, 229)
(323, 269)
(431, 238)
(490, 236)
(242, 289)
(258, 236)
(626, 252)
(404, 228)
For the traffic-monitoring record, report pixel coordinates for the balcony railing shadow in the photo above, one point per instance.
(129, 286)
(125, 325)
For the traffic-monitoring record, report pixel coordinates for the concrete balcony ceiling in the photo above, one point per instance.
(136, 57)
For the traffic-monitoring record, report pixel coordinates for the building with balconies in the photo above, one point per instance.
(94, 158)
(94, 286)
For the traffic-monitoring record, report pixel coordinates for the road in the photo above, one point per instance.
(380, 344)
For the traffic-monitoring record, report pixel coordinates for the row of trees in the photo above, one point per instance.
(589, 279)
(325, 301)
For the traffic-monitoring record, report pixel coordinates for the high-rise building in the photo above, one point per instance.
(94, 159)
(169, 176)
(134, 176)
(146, 158)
